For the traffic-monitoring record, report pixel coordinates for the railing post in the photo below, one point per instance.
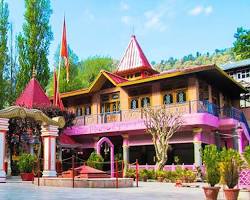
(73, 174)
(38, 172)
(190, 109)
(120, 115)
(84, 120)
(116, 169)
(137, 173)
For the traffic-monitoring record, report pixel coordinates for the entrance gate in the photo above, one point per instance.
(49, 133)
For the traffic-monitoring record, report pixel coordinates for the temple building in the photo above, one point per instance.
(109, 112)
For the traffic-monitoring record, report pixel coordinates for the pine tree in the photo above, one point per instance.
(4, 26)
(33, 43)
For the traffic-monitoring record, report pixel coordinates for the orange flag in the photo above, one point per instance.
(57, 101)
(64, 50)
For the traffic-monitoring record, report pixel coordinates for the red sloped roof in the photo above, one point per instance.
(33, 95)
(67, 140)
(133, 57)
(117, 79)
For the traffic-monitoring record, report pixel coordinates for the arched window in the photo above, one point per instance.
(114, 107)
(168, 99)
(181, 97)
(134, 104)
(145, 101)
(78, 111)
(87, 110)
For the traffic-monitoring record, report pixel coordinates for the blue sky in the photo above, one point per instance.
(164, 28)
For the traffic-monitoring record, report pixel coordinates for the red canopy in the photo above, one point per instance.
(33, 95)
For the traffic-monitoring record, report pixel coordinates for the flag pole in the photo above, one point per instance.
(58, 79)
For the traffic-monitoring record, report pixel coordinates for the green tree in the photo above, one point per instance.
(90, 68)
(242, 43)
(4, 26)
(33, 43)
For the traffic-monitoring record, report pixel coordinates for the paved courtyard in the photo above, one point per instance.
(151, 190)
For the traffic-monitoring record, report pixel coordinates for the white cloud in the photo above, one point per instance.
(124, 6)
(126, 19)
(208, 10)
(198, 10)
(154, 20)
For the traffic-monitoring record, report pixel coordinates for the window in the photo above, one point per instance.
(181, 97)
(134, 104)
(239, 75)
(145, 101)
(168, 99)
(87, 110)
(78, 111)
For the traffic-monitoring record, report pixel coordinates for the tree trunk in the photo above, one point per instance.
(160, 163)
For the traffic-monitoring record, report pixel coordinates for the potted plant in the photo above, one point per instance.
(230, 166)
(247, 155)
(26, 165)
(130, 173)
(143, 175)
(211, 158)
(160, 175)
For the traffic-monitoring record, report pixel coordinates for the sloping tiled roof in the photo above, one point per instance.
(33, 95)
(117, 79)
(67, 141)
(234, 65)
(133, 57)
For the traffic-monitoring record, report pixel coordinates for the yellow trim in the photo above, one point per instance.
(154, 78)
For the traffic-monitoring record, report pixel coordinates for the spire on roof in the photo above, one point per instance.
(34, 72)
(33, 95)
(133, 58)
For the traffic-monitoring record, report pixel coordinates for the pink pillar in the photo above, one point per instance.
(4, 124)
(112, 153)
(239, 132)
(49, 134)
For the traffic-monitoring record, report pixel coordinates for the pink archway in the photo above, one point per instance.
(98, 149)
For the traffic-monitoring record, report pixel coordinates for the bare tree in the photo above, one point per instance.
(161, 124)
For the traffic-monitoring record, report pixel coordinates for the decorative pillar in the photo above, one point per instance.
(235, 139)
(217, 139)
(4, 124)
(197, 146)
(49, 134)
(125, 152)
(240, 140)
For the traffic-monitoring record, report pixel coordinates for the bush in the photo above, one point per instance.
(26, 163)
(211, 158)
(130, 173)
(95, 160)
(230, 167)
(247, 155)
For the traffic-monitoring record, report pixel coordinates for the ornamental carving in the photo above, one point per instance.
(17, 111)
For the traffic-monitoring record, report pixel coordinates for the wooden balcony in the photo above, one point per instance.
(136, 114)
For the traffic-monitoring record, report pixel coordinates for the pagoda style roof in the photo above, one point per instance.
(33, 95)
(134, 59)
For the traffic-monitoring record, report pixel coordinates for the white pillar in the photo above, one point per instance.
(49, 134)
(4, 124)
(197, 146)
(125, 152)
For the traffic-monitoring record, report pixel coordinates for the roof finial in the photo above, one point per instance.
(133, 31)
(34, 72)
